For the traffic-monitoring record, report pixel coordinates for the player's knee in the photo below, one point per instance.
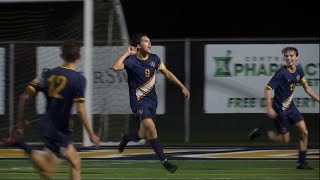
(304, 134)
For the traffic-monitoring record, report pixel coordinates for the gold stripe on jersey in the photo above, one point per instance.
(303, 81)
(78, 99)
(161, 66)
(35, 82)
(268, 87)
(286, 103)
(65, 67)
(146, 87)
(31, 89)
(144, 93)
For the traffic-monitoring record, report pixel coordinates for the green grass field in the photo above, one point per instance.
(188, 169)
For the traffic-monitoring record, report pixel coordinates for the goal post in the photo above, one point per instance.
(87, 63)
(30, 35)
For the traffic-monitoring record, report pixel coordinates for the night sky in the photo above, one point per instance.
(226, 19)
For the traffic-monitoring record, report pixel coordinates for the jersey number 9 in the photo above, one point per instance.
(147, 72)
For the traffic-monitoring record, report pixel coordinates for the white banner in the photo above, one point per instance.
(236, 75)
(2, 79)
(110, 89)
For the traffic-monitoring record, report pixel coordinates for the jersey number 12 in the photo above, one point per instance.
(56, 84)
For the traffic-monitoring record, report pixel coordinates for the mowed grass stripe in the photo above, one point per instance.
(154, 170)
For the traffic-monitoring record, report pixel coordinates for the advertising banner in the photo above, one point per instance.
(110, 94)
(236, 75)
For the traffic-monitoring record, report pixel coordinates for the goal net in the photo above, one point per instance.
(30, 36)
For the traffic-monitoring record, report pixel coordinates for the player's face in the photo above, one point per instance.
(145, 44)
(290, 57)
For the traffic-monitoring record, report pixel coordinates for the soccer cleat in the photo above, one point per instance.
(122, 144)
(170, 167)
(303, 165)
(257, 132)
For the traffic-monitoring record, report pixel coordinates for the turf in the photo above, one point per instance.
(188, 169)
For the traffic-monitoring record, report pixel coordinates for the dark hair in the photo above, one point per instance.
(70, 50)
(136, 39)
(290, 49)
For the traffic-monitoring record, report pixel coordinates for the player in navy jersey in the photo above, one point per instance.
(141, 66)
(282, 108)
(63, 88)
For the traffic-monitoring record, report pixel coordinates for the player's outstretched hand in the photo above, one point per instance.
(185, 93)
(271, 113)
(95, 139)
(132, 50)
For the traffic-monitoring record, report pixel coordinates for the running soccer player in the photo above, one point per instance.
(141, 66)
(63, 88)
(282, 109)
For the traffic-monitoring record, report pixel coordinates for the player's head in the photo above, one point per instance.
(70, 51)
(136, 39)
(290, 55)
(141, 41)
(290, 49)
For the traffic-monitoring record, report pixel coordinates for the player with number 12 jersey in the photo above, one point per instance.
(62, 87)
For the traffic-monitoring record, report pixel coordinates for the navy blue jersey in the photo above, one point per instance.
(283, 83)
(62, 87)
(142, 79)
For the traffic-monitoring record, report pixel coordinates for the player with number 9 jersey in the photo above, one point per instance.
(141, 82)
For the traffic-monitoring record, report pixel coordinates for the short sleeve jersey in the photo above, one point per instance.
(62, 87)
(283, 83)
(142, 79)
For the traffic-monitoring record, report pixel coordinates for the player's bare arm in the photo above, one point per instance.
(23, 100)
(80, 108)
(169, 75)
(270, 111)
(309, 90)
(118, 64)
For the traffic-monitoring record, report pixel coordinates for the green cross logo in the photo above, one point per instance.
(222, 65)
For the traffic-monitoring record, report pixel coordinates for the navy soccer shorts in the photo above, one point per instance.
(287, 118)
(146, 111)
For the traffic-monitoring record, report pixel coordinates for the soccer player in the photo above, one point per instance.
(282, 109)
(141, 66)
(63, 88)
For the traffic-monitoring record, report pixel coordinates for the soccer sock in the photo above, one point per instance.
(133, 136)
(156, 146)
(302, 156)
(24, 146)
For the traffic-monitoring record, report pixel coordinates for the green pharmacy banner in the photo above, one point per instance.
(236, 75)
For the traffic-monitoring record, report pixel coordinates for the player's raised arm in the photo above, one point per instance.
(118, 64)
